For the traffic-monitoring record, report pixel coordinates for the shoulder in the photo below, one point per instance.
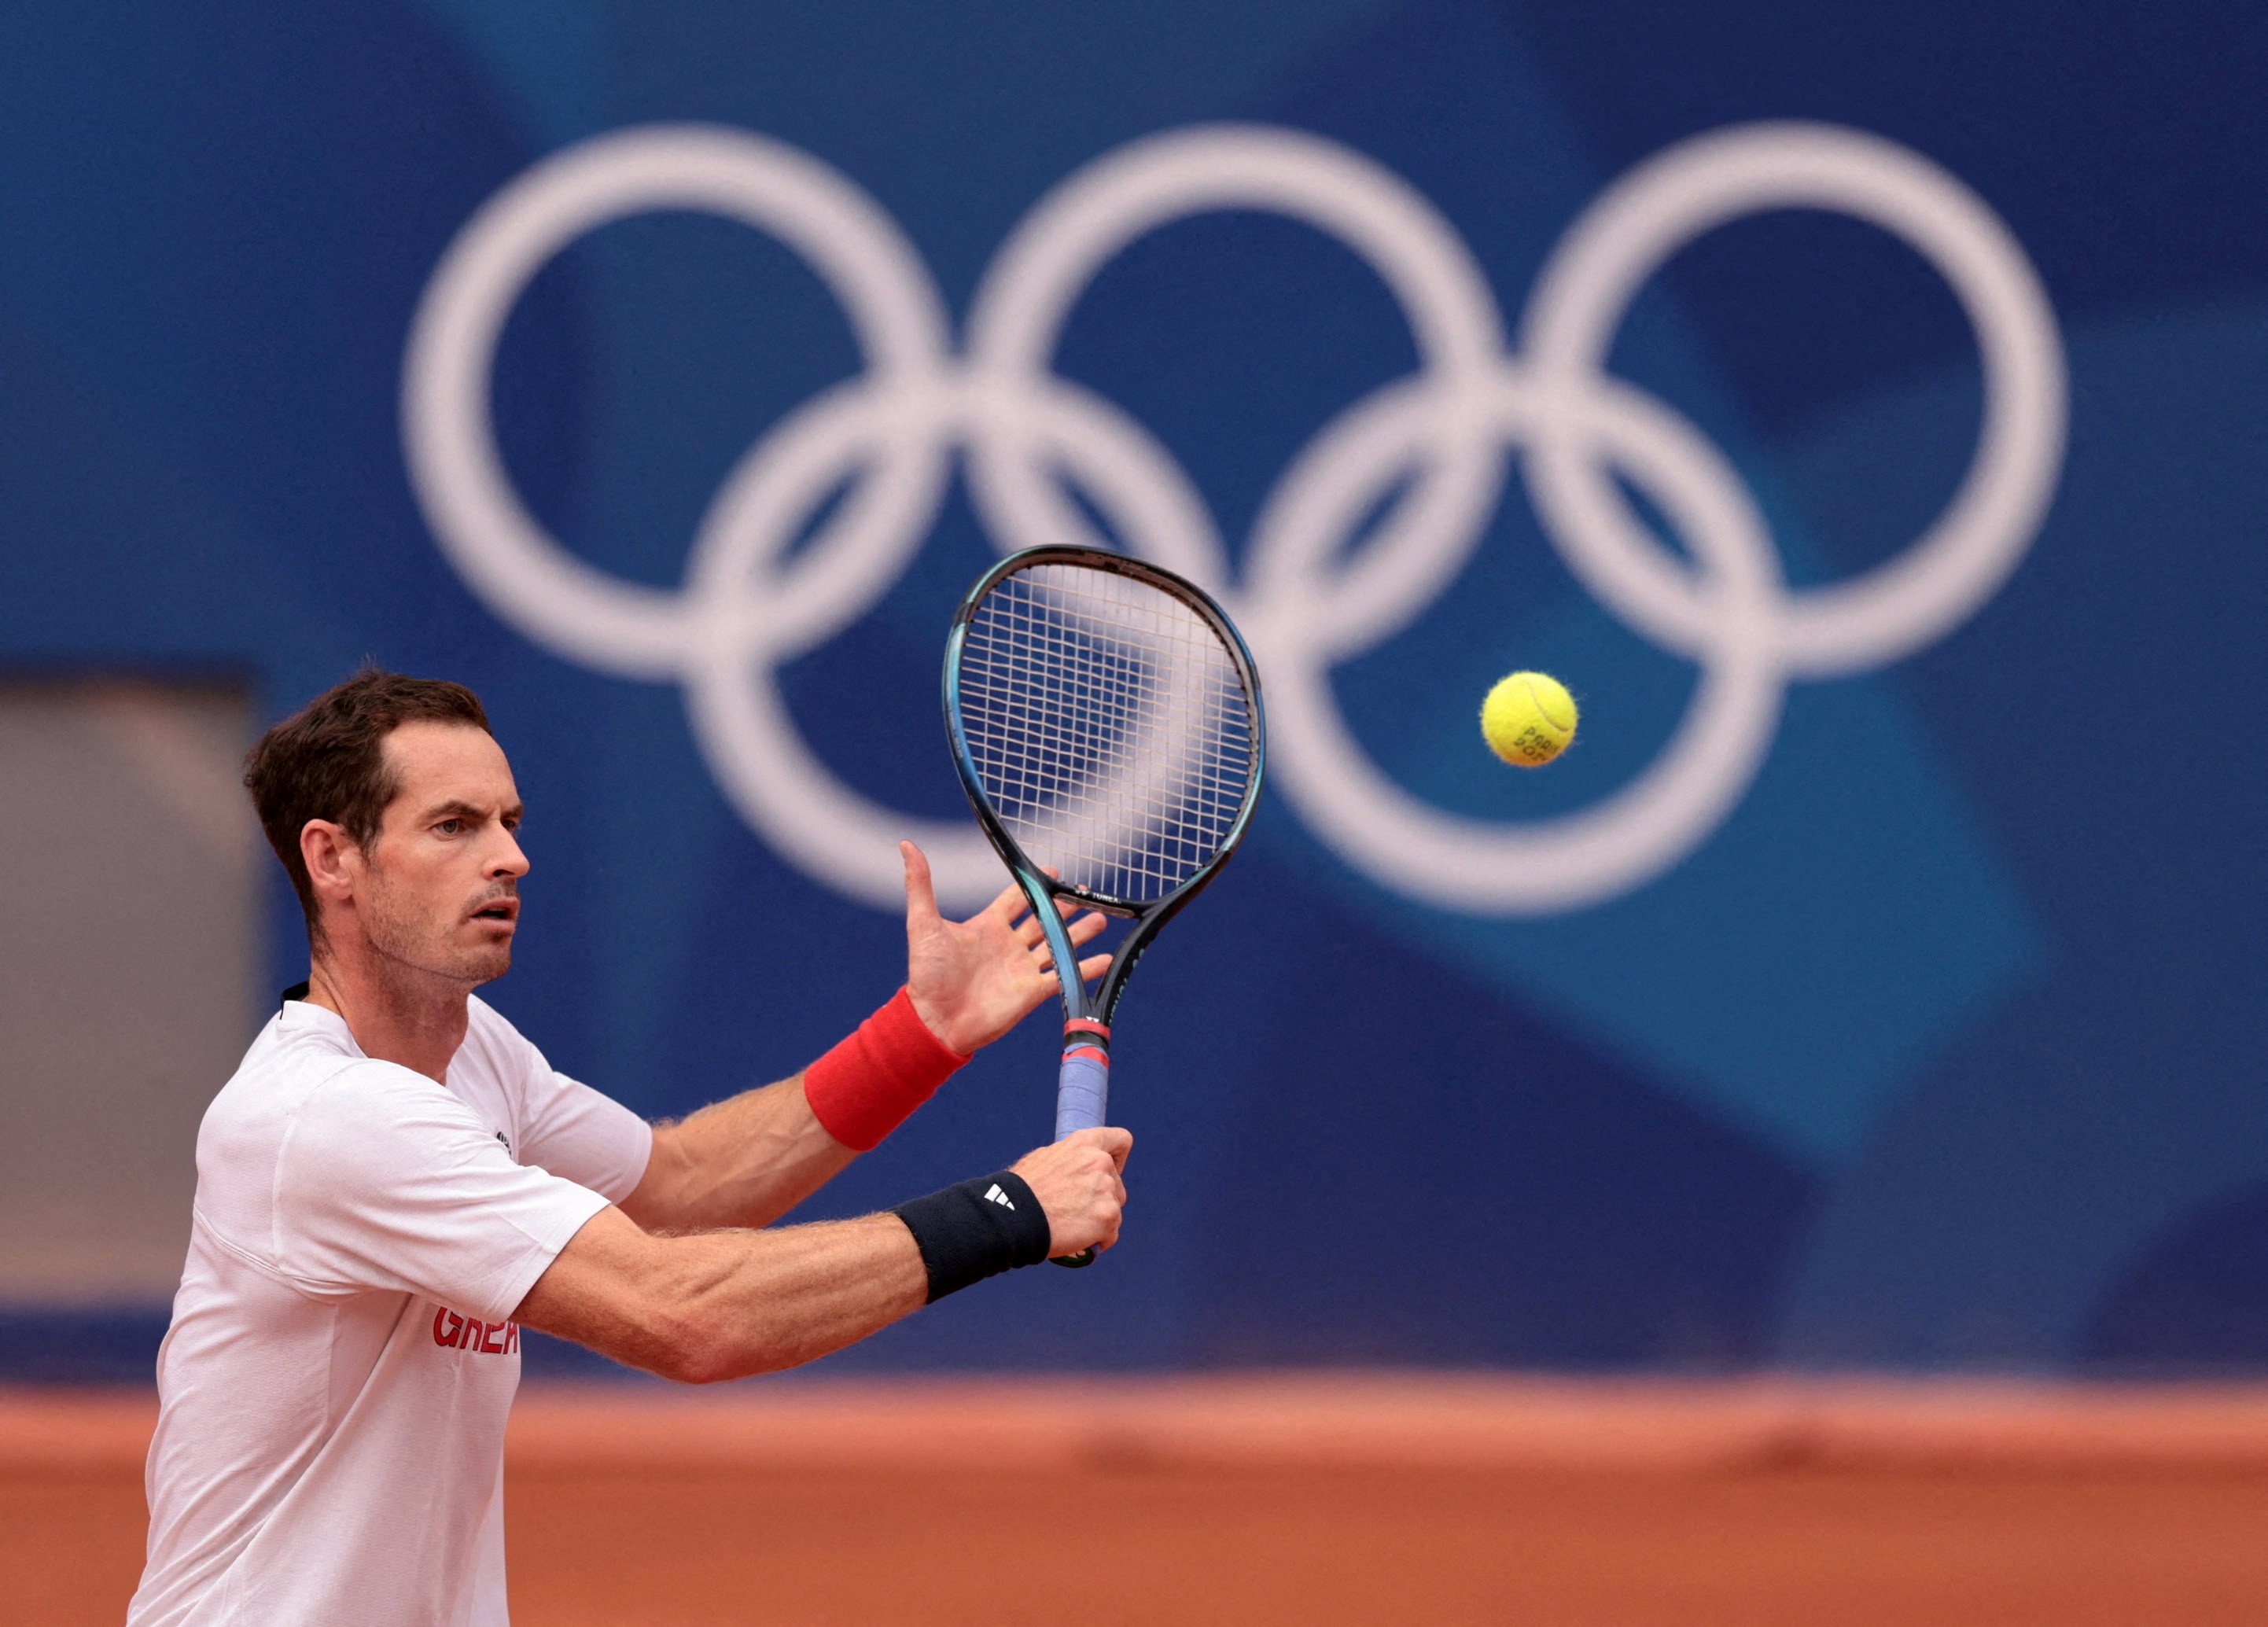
(308, 1119)
(364, 1108)
(372, 1140)
(290, 1061)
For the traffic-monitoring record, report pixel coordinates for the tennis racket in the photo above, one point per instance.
(1105, 717)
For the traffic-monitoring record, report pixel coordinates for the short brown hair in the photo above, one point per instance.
(327, 761)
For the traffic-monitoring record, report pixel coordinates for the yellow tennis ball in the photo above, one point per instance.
(1529, 718)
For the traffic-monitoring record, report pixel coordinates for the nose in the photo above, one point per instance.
(507, 862)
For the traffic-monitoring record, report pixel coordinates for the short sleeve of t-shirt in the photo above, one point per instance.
(584, 1135)
(387, 1182)
(573, 1130)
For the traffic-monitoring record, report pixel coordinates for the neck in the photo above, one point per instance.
(395, 1014)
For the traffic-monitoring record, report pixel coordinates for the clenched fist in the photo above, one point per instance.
(1080, 1181)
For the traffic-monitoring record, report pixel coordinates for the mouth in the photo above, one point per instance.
(503, 912)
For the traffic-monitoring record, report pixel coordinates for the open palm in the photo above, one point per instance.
(972, 980)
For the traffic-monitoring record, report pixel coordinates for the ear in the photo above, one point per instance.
(334, 862)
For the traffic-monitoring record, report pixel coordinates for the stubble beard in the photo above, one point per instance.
(417, 945)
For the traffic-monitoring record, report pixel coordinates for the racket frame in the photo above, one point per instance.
(1079, 1007)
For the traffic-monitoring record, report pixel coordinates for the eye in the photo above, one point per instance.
(450, 827)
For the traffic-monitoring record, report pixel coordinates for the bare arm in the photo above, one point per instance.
(748, 1160)
(722, 1305)
(744, 1162)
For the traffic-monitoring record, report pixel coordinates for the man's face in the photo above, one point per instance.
(439, 887)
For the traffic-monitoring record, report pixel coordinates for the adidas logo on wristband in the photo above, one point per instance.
(974, 1230)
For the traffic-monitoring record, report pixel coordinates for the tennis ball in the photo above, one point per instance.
(1529, 718)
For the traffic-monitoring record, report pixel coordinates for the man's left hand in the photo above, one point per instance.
(972, 980)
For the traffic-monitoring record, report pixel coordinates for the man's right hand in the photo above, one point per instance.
(1080, 1181)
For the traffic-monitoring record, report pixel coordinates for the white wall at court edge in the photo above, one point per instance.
(1476, 403)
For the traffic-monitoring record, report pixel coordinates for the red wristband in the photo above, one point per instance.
(864, 1088)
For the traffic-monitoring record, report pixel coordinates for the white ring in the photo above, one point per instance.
(1474, 865)
(1020, 307)
(1649, 214)
(449, 437)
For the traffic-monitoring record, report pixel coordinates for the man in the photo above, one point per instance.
(394, 1182)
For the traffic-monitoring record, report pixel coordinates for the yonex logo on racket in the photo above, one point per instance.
(745, 607)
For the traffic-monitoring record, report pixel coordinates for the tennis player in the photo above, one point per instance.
(396, 1183)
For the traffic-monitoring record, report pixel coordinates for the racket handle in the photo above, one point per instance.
(1082, 1096)
(1083, 1088)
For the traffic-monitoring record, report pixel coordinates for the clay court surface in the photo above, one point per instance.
(1354, 1501)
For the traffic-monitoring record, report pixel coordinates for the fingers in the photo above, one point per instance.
(1080, 1181)
(1008, 904)
(1085, 929)
(1013, 902)
(1089, 970)
(1086, 926)
(921, 892)
(1114, 1139)
(1081, 931)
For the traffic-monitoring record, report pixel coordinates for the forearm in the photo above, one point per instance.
(749, 1161)
(724, 1305)
(743, 1162)
(765, 1300)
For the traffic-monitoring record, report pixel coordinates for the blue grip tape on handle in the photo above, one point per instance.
(1082, 1091)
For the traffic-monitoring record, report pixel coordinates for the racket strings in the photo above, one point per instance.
(1108, 720)
(1109, 727)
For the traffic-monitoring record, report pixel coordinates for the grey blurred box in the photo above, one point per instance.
(130, 889)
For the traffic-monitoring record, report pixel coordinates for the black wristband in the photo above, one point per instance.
(977, 1230)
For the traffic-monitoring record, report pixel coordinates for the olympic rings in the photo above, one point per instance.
(745, 607)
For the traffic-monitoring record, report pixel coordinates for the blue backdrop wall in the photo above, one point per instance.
(1864, 412)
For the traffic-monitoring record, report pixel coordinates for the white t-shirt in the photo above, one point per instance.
(333, 1387)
